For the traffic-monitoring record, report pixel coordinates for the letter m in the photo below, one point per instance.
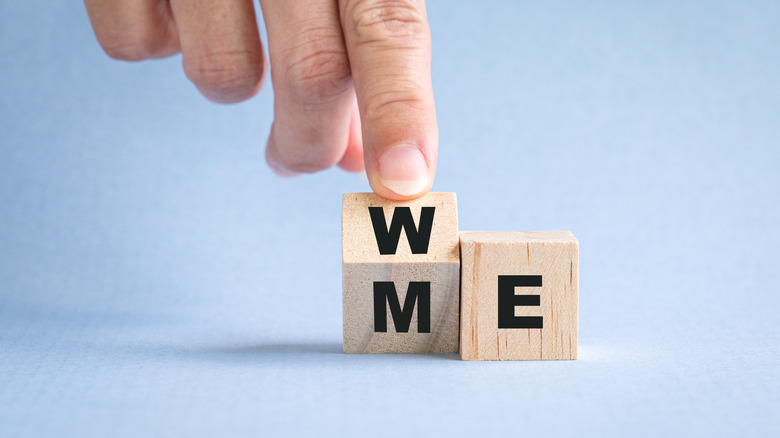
(418, 292)
(387, 238)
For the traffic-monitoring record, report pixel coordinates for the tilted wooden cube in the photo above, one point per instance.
(401, 273)
(519, 295)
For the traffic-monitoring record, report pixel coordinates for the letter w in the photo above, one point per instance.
(387, 238)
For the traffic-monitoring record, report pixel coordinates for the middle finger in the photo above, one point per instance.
(313, 94)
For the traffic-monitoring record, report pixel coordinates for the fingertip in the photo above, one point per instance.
(353, 160)
(277, 167)
(402, 172)
(352, 163)
(387, 193)
(228, 96)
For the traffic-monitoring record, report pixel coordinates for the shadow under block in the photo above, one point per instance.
(407, 299)
(519, 295)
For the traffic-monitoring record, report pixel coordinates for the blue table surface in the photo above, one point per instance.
(156, 279)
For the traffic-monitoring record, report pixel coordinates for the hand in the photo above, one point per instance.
(335, 63)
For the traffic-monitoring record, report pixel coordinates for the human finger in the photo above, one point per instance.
(313, 94)
(352, 161)
(133, 30)
(389, 50)
(221, 49)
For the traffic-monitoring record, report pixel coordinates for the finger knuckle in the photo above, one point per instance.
(377, 21)
(401, 98)
(231, 74)
(315, 71)
(319, 77)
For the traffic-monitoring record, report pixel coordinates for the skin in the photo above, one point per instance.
(351, 78)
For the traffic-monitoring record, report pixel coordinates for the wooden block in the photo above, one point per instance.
(400, 274)
(519, 295)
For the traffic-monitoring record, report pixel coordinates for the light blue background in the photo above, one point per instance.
(157, 279)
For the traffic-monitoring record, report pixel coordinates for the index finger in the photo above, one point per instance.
(389, 47)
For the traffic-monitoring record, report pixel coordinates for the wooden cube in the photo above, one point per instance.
(519, 295)
(401, 274)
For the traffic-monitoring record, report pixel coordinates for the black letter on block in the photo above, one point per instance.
(507, 301)
(387, 239)
(419, 291)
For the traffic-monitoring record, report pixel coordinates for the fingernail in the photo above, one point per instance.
(363, 175)
(403, 169)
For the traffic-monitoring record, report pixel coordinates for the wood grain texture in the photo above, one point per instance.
(362, 265)
(485, 255)
(357, 233)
